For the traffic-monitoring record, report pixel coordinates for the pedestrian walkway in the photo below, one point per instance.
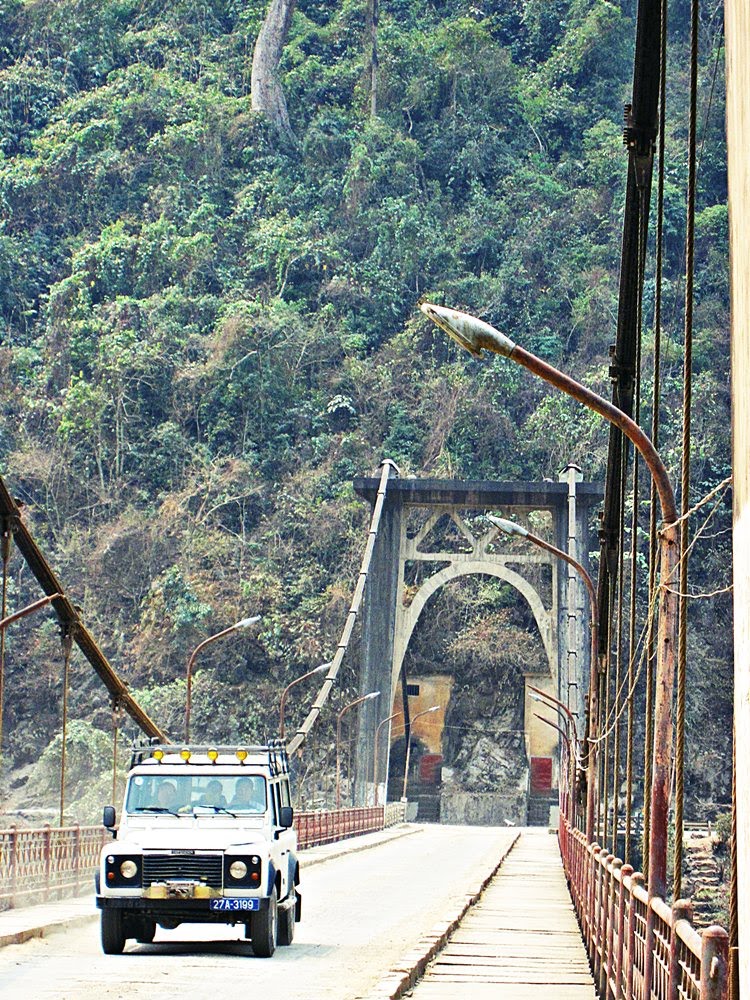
(521, 940)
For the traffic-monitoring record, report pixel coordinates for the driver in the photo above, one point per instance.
(248, 794)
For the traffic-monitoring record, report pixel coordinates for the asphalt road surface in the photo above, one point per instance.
(361, 913)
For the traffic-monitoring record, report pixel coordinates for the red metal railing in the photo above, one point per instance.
(315, 828)
(51, 863)
(48, 862)
(639, 949)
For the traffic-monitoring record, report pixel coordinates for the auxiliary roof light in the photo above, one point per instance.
(185, 754)
(213, 755)
(241, 756)
(158, 755)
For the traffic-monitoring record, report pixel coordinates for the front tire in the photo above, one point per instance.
(113, 932)
(264, 928)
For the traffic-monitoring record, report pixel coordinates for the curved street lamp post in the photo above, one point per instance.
(549, 701)
(238, 626)
(419, 715)
(287, 689)
(566, 787)
(352, 704)
(377, 742)
(475, 335)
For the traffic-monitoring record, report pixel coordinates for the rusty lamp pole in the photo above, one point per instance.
(474, 335)
(569, 788)
(352, 704)
(548, 700)
(592, 745)
(244, 623)
(287, 689)
(377, 743)
(408, 746)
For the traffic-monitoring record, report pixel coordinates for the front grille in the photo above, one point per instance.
(198, 867)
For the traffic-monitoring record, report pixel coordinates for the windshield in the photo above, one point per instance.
(196, 793)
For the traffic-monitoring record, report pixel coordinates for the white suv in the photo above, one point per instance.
(205, 836)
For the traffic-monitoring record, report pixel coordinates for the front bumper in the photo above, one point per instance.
(182, 910)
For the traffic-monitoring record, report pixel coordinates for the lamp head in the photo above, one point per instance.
(471, 333)
(509, 527)
(247, 622)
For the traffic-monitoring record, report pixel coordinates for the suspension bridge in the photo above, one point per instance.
(634, 925)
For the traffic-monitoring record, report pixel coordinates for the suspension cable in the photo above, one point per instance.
(687, 399)
(655, 406)
(301, 735)
(618, 672)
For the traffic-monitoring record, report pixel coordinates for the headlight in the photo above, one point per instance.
(128, 869)
(238, 869)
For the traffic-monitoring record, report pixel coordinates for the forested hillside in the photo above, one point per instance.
(208, 329)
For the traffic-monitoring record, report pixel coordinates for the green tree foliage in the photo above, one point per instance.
(205, 336)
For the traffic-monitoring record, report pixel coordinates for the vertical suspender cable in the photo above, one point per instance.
(604, 722)
(685, 477)
(67, 646)
(618, 672)
(656, 403)
(5, 541)
(115, 734)
(634, 519)
(631, 670)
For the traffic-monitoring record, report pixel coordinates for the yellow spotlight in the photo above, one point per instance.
(185, 754)
(241, 756)
(158, 755)
(212, 755)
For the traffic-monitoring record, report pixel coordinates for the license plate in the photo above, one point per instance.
(225, 903)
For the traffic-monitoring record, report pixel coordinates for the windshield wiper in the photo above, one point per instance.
(155, 809)
(216, 809)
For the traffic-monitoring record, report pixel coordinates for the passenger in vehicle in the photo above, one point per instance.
(213, 795)
(166, 796)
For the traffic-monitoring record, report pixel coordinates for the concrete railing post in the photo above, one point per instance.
(625, 872)
(77, 857)
(714, 963)
(682, 909)
(13, 864)
(636, 880)
(47, 835)
(612, 910)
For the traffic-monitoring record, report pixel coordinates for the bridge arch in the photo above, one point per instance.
(407, 617)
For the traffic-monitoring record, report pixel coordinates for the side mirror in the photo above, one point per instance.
(286, 816)
(109, 819)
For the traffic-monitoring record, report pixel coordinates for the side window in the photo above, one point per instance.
(276, 802)
(284, 788)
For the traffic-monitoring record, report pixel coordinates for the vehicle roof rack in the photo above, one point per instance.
(274, 750)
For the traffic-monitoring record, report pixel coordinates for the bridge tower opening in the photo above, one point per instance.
(433, 533)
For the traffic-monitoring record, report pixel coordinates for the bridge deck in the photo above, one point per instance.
(522, 935)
